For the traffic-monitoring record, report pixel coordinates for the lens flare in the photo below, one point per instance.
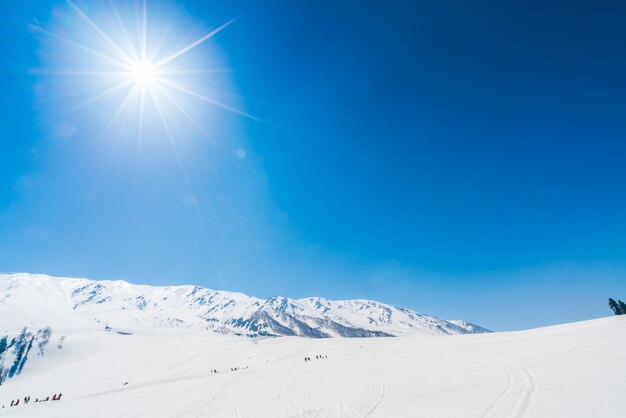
(135, 62)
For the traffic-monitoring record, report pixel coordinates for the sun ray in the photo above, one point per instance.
(207, 99)
(104, 93)
(82, 47)
(144, 30)
(176, 152)
(191, 72)
(119, 110)
(95, 98)
(164, 35)
(171, 139)
(183, 112)
(130, 44)
(77, 72)
(100, 31)
(142, 108)
(194, 44)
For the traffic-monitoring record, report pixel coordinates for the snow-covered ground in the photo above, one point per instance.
(572, 370)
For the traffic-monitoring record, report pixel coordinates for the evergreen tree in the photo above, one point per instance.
(4, 345)
(43, 338)
(622, 307)
(20, 349)
(25, 358)
(615, 307)
(19, 341)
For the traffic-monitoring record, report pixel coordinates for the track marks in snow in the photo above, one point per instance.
(515, 398)
(208, 406)
(525, 396)
(488, 411)
(375, 392)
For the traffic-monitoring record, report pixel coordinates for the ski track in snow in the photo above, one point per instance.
(235, 399)
(377, 389)
(514, 399)
(374, 394)
(487, 412)
(527, 392)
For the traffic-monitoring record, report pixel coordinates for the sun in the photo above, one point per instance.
(143, 74)
(135, 68)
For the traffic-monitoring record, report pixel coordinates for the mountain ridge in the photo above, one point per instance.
(125, 307)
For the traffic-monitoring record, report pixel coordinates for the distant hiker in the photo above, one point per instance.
(12, 402)
(59, 397)
(54, 396)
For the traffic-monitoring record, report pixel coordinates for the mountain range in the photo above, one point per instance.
(37, 300)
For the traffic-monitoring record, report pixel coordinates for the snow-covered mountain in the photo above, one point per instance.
(119, 306)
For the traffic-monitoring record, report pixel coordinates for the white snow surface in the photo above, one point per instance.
(80, 304)
(572, 371)
(575, 370)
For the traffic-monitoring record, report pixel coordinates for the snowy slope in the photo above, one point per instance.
(79, 304)
(572, 371)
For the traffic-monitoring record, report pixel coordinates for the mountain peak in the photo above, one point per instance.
(75, 303)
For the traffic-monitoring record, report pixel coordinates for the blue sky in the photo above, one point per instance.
(464, 160)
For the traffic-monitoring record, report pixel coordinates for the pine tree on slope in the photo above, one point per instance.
(4, 345)
(615, 307)
(25, 357)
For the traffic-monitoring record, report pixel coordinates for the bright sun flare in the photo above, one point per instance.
(136, 68)
(143, 74)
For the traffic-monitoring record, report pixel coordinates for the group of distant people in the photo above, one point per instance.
(235, 369)
(318, 357)
(16, 402)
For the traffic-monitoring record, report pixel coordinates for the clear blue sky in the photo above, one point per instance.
(464, 159)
